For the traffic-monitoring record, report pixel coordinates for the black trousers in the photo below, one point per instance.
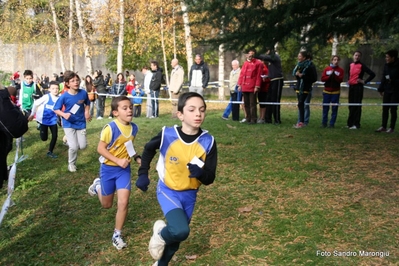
(393, 109)
(274, 96)
(5, 148)
(235, 109)
(54, 135)
(355, 112)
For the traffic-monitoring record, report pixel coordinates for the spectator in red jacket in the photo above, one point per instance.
(249, 83)
(332, 77)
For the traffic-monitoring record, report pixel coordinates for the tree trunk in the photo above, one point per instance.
(86, 46)
(334, 49)
(187, 34)
(70, 36)
(174, 31)
(163, 51)
(119, 62)
(221, 72)
(57, 35)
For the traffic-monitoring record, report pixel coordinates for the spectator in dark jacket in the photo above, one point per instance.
(155, 87)
(118, 88)
(389, 90)
(306, 75)
(98, 83)
(199, 75)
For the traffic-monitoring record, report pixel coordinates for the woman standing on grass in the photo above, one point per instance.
(306, 75)
(118, 88)
(389, 90)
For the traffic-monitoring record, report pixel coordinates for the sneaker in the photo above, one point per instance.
(152, 116)
(331, 126)
(118, 242)
(381, 129)
(323, 125)
(155, 263)
(390, 130)
(99, 118)
(353, 127)
(109, 117)
(260, 121)
(299, 125)
(157, 244)
(71, 168)
(92, 189)
(243, 121)
(225, 118)
(51, 155)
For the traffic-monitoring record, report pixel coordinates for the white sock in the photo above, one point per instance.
(117, 233)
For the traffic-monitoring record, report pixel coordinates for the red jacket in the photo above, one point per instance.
(264, 86)
(250, 75)
(131, 86)
(332, 78)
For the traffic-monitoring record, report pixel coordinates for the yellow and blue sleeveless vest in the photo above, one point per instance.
(117, 145)
(174, 156)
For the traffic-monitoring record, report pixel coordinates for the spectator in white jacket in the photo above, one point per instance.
(147, 80)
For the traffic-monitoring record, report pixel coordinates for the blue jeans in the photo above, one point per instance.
(155, 103)
(330, 98)
(233, 107)
(306, 109)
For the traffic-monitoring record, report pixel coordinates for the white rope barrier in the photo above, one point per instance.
(11, 179)
(265, 103)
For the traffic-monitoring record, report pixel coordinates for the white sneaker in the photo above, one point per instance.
(157, 244)
(92, 189)
(353, 127)
(71, 168)
(118, 242)
(109, 117)
(243, 121)
(99, 118)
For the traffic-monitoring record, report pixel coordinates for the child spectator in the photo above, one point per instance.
(116, 150)
(332, 77)
(77, 104)
(137, 101)
(188, 158)
(131, 85)
(45, 116)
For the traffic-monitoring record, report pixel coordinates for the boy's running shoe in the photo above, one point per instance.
(92, 189)
(71, 168)
(157, 244)
(51, 155)
(118, 242)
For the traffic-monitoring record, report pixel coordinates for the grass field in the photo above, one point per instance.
(282, 196)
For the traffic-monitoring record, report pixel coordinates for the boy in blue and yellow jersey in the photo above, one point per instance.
(116, 150)
(188, 158)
